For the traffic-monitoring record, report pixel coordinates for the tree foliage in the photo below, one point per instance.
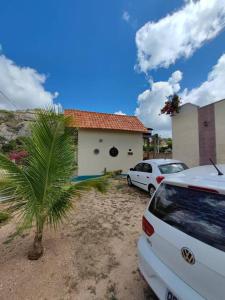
(172, 105)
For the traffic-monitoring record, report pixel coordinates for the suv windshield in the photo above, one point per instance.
(197, 213)
(172, 168)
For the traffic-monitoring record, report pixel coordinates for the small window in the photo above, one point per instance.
(147, 168)
(139, 167)
(96, 151)
(113, 151)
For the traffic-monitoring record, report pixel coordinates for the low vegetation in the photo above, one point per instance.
(14, 126)
(14, 145)
(4, 216)
(6, 115)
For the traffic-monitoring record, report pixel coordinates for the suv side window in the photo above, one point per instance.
(139, 167)
(147, 168)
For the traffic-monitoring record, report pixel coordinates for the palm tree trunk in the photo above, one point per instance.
(37, 248)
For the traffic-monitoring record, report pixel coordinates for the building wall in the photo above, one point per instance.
(207, 134)
(219, 108)
(94, 164)
(185, 135)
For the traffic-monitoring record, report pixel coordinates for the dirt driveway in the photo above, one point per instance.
(91, 256)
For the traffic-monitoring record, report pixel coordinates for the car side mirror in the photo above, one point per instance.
(131, 169)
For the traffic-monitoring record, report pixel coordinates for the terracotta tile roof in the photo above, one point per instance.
(93, 120)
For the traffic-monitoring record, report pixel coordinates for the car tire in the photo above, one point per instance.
(151, 190)
(129, 182)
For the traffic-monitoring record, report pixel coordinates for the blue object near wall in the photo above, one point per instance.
(82, 178)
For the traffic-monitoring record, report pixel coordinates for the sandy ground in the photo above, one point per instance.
(92, 256)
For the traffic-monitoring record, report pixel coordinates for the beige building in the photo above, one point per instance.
(199, 134)
(106, 142)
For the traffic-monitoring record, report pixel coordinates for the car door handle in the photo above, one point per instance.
(138, 175)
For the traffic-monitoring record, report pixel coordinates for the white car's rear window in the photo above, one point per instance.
(172, 168)
(199, 214)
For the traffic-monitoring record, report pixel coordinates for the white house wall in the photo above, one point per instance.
(90, 163)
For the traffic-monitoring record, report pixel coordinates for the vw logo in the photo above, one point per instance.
(188, 255)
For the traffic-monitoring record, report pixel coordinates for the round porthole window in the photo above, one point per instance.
(96, 151)
(113, 151)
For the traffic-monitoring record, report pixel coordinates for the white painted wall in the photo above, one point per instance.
(185, 135)
(92, 164)
(219, 108)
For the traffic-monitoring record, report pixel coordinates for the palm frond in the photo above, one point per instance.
(51, 156)
(101, 184)
(62, 201)
(58, 210)
(14, 184)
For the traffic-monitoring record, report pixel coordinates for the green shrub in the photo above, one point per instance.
(2, 139)
(149, 148)
(4, 216)
(10, 146)
(13, 145)
(114, 173)
(7, 112)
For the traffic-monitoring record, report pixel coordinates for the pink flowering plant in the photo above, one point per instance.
(172, 105)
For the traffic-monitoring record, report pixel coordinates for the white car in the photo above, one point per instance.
(182, 249)
(149, 173)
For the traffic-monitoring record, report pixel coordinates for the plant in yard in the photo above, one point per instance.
(18, 156)
(8, 146)
(4, 216)
(40, 190)
(15, 145)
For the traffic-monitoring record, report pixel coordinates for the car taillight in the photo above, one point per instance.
(147, 227)
(159, 179)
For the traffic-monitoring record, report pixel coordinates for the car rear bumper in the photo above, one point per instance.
(160, 277)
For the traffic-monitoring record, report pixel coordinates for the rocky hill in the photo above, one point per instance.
(13, 126)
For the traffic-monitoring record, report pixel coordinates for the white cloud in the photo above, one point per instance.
(210, 90)
(179, 34)
(126, 16)
(119, 113)
(23, 86)
(152, 100)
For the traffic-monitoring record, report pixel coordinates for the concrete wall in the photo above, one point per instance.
(219, 109)
(207, 134)
(94, 164)
(185, 135)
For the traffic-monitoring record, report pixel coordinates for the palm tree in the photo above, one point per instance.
(41, 190)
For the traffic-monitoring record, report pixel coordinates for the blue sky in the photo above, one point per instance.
(87, 50)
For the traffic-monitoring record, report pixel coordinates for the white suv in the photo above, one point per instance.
(182, 249)
(148, 174)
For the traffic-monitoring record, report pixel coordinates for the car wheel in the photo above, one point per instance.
(129, 182)
(151, 190)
